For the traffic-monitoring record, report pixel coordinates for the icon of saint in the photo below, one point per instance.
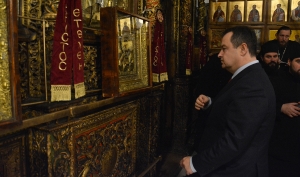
(219, 15)
(236, 14)
(253, 15)
(296, 13)
(278, 14)
(126, 31)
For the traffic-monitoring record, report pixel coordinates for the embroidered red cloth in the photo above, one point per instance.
(203, 50)
(67, 56)
(158, 60)
(189, 54)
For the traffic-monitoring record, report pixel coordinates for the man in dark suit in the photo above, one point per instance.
(210, 81)
(239, 125)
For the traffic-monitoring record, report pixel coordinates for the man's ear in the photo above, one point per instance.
(243, 49)
(289, 62)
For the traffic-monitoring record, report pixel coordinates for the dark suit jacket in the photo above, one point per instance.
(236, 137)
(211, 80)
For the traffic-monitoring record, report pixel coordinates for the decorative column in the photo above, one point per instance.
(182, 20)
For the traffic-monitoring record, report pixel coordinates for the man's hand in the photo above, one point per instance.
(291, 109)
(201, 102)
(185, 163)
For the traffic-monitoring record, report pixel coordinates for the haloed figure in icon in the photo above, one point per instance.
(236, 14)
(296, 13)
(278, 14)
(126, 31)
(219, 15)
(253, 15)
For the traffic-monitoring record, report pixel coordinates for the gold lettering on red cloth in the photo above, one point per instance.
(189, 52)
(158, 57)
(62, 55)
(67, 56)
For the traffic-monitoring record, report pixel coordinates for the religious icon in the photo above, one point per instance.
(126, 61)
(216, 38)
(278, 14)
(125, 31)
(126, 44)
(258, 37)
(219, 15)
(124, 28)
(236, 14)
(297, 38)
(296, 13)
(253, 15)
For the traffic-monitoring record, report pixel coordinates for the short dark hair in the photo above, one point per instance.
(283, 28)
(243, 34)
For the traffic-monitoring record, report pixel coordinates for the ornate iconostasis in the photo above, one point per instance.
(265, 17)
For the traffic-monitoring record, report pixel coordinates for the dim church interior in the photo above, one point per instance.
(169, 165)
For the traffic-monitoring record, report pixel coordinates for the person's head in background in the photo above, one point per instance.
(283, 35)
(294, 64)
(269, 58)
(238, 47)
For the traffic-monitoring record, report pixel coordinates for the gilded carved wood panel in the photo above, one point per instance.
(5, 93)
(100, 144)
(143, 136)
(108, 149)
(181, 98)
(186, 12)
(9, 80)
(119, 141)
(12, 153)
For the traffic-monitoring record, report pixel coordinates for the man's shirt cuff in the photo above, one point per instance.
(208, 104)
(192, 166)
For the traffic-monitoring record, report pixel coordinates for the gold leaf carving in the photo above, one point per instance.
(5, 94)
